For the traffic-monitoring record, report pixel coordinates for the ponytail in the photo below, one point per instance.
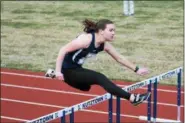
(90, 26)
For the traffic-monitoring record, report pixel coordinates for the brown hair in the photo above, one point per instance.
(91, 26)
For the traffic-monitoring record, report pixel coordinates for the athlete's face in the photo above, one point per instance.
(109, 32)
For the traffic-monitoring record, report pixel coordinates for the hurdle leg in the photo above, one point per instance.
(149, 102)
(72, 116)
(118, 107)
(155, 101)
(63, 119)
(178, 95)
(110, 109)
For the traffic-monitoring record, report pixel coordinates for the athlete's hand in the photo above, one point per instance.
(52, 74)
(59, 76)
(142, 71)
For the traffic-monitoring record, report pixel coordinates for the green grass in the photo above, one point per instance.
(21, 25)
(32, 32)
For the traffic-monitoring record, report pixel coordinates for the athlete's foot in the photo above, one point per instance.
(50, 73)
(139, 98)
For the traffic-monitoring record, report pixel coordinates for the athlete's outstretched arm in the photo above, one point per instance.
(122, 60)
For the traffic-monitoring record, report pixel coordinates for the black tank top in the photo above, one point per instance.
(76, 58)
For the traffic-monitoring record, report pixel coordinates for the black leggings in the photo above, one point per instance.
(82, 79)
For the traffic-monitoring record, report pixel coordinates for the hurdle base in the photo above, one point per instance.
(159, 120)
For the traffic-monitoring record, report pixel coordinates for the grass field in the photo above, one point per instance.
(32, 32)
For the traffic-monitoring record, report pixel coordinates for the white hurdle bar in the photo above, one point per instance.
(99, 99)
(159, 120)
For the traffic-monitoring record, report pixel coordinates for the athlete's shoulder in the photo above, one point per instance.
(84, 38)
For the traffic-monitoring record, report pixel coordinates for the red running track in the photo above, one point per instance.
(27, 95)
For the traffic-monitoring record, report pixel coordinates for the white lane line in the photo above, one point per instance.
(36, 76)
(13, 118)
(61, 107)
(48, 90)
(32, 103)
(74, 93)
(25, 75)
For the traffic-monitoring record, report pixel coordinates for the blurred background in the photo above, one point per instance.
(32, 32)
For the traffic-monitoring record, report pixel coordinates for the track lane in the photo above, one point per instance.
(58, 85)
(127, 108)
(80, 116)
(50, 84)
(24, 73)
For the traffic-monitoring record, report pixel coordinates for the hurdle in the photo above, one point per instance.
(70, 110)
(178, 72)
